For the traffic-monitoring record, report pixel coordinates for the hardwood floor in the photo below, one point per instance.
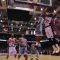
(41, 57)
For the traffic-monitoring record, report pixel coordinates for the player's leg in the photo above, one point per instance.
(31, 57)
(37, 52)
(56, 45)
(25, 53)
(14, 52)
(53, 45)
(9, 52)
(20, 52)
(26, 57)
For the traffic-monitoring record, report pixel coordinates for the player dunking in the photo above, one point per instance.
(50, 35)
(23, 47)
(12, 50)
(34, 50)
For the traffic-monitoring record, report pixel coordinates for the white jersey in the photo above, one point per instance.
(11, 41)
(49, 32)
(23, 41)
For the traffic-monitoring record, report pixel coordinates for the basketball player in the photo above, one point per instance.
(12, 49)
(23, 47)
(50, 35)
(34, 51)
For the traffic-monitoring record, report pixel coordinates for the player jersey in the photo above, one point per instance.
(49, 32)
(23, 41)
(11, 41)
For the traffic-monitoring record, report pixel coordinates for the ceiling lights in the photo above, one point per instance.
(41, 9)
(3, 0)
(54, 11)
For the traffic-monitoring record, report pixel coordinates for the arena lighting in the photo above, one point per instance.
(55, 11)
(21, 24)
(27, 32)
(21, 8)
(34, 32)
(1, 21)
(35, 18)
(44, 40)
(2, 40)
(41, 9)
(3, 26)
(3, 0)
(19, 30)
(31, 23)
(11, 24)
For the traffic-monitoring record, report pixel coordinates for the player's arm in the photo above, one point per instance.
(16, 41)
(19, 42)
(8, 41)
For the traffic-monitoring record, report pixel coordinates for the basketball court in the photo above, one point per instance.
(41, 57)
